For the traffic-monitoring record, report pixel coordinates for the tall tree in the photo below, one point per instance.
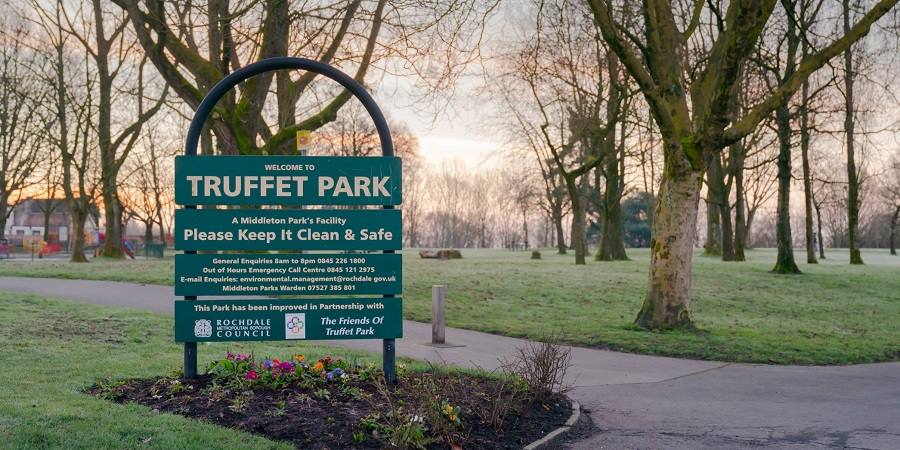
(694, 122)
(121, 80)
(808, 15)
(849, 130)
(22, 124)
(558, 86)
(74, 135)
(612, 237)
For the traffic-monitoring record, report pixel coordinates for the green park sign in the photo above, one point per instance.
(288, 229)
(289, 274)
(266, 250)
(287, 180)
(275, 320)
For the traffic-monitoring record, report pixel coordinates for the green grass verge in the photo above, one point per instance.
(52, 349)
(832, 314)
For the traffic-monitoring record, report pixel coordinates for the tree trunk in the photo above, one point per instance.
(79, 217)
(558, 223)
(3, 217)
(893, 236)
(668, 300)
(612, 241)
(849, 125)
(785, 261)
(162, 228)
(112, 208)
(713, 245)
(525, 227)
(148, 231)
(579, 232)
(819, 229)
(718, 221)
(740, 223)
(807, 180)
(727, 231)
(48, 211)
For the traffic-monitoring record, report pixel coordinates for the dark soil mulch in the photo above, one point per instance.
(313, 418)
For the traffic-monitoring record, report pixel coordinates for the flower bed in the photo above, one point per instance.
(332, 403)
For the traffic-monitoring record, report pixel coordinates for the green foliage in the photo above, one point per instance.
(637, 213)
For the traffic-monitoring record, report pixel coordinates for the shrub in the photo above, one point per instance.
(542, 366)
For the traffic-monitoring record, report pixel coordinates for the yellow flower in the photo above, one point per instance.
(453, 418)
(299, 358)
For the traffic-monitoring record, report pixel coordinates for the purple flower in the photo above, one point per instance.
(268, 364)
(334, 373)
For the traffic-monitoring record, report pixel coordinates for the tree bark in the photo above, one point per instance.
(579, 232)
(148, 231)
(558, 224)
(740, 222)
(47, 213)
(719, 222)
(785, 260)
(807, 180)
(79, 217)
(668, 300)
(525, 228)
(819, 228)
(893, 236)
(612, 238)
(713, 244)
(3, 216)
(849, 125)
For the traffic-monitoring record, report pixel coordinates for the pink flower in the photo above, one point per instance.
(251, 375)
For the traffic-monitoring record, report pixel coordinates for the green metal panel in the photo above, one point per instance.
(298, 319)
(287, 180)
(289, 274)
(288, 229)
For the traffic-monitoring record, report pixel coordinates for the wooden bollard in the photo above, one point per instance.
(437, 314)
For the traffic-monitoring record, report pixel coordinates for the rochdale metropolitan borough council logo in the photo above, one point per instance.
(202, 328)
(295, 326)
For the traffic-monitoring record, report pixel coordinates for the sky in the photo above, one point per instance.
(457, 131)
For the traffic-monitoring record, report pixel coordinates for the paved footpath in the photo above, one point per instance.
(638, 401)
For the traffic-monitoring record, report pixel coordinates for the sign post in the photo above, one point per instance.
(292, 233)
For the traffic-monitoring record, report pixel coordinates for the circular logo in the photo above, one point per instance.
(202, 328)
(295, 324)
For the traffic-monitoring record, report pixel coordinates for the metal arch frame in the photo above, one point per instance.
(284, 63)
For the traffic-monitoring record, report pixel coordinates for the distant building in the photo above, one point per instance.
(28, 219)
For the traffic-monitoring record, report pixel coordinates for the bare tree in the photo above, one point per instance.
(22, 124)
(563, 73)
(195, 45)
(74, 134)
(694, 122)
(853, 200)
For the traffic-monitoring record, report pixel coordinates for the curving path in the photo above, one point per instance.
(639, 401)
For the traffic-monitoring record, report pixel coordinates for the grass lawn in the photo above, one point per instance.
(52, 349)
(833, 314)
